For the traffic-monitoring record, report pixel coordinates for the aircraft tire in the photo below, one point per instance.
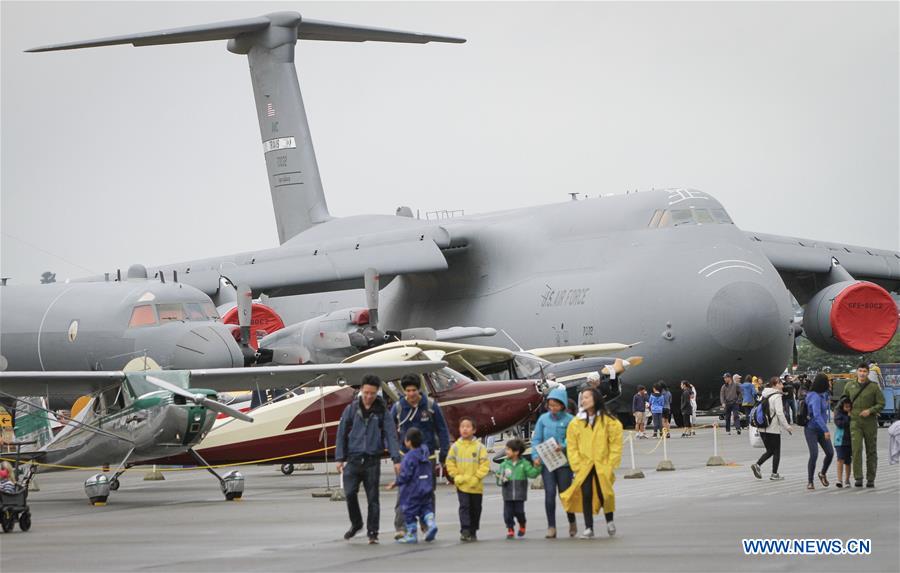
(25, 521)
(6, 521)
(114, 485)
(287, 469)
(231, 496)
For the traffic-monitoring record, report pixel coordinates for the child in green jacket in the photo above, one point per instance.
(513, 477)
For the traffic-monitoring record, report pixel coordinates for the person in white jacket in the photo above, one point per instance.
(771, 434)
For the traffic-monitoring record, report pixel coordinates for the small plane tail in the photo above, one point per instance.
(268, 42)
(33, 423)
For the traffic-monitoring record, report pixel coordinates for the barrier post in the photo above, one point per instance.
(154, 475)
(666, 464)
(634, 473)
(715, 459)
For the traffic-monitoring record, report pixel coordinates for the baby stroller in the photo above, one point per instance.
(13, 508)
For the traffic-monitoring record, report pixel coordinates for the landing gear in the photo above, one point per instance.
(287, 469)
(232, 483)
(114, 484)
(97, 487)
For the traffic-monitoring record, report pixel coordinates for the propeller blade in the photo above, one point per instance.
(223, 409)
(795, 355)
(424, 333)
(245, 311)
(371, 284)
(169, 387)
(199, 399)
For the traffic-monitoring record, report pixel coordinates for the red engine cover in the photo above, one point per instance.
(262, 318)
(864, 317)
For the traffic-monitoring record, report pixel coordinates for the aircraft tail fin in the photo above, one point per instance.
(268, 42)
(33, 423)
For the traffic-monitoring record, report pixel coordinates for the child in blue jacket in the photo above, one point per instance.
(657, 404)
(415, 481)
(553, 424)
(842, 440)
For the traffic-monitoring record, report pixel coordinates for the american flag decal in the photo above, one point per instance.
(270, 110)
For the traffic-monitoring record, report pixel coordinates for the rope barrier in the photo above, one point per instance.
(193, 468)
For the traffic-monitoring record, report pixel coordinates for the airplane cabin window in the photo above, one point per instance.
(142, 316)
(654, 220)
(666, 219)
(170, 312)
(703, 217)
(443, 380)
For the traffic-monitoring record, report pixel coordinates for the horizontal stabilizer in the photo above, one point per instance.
(306, 30)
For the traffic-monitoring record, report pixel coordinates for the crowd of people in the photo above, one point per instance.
(415, 434)
(589, 438)
(808, 403)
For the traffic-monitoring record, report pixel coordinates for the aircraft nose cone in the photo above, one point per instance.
(207, 347)
(743, 316)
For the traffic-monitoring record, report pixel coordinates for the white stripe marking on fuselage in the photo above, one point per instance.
(482, 397)
(729, 261)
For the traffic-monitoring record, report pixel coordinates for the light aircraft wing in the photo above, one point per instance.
(794, 258)
(460, 357)
(218, 379)
(561, 353)
(234, 379)
(56, 383)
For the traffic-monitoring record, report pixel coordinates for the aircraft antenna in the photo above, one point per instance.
(268, 42)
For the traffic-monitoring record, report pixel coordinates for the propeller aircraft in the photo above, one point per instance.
(667, 267)
(135, 417)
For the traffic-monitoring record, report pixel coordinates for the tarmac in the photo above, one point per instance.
(690, 519)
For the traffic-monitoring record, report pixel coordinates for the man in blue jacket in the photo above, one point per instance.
(416, 411)
(748, 397)
(364, 430)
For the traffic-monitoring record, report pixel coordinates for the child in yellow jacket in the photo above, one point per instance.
(467, 464)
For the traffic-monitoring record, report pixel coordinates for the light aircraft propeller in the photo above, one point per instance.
(199, 399)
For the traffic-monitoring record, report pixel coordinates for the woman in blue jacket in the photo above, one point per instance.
(553, 424)
(816, 432)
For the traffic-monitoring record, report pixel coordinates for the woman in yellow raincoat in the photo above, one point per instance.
(594, 449)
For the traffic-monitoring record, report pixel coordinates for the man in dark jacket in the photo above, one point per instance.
(416, 411)
(730, 397)
(364, 430)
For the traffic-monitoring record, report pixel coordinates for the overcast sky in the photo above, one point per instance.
(787, 113)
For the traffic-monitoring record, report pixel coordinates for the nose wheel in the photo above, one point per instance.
(232, 483)
(287, 469)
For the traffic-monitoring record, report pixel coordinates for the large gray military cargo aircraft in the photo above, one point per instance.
(667, 268)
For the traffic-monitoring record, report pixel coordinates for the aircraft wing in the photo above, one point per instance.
(218, 379)
(57, 383)
(461, 357)
(561, 353)
(234, 379)
(801, 261)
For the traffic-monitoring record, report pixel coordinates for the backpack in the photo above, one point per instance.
(802, 413)
(760, 415)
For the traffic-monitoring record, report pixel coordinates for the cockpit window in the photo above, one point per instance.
(194, 311)
(721, 216)
(170, 312)
(142, 315)
(209, 309)
(678, 217)
(444, 379)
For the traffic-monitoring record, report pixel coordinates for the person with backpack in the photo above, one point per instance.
(816, 431)
(867, 400)
(364, 430)
(768, 417)
(413, 410)
(789, 399)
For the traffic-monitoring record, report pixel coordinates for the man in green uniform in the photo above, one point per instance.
(868, 402)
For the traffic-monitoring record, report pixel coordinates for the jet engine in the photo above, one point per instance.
(850, 317)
